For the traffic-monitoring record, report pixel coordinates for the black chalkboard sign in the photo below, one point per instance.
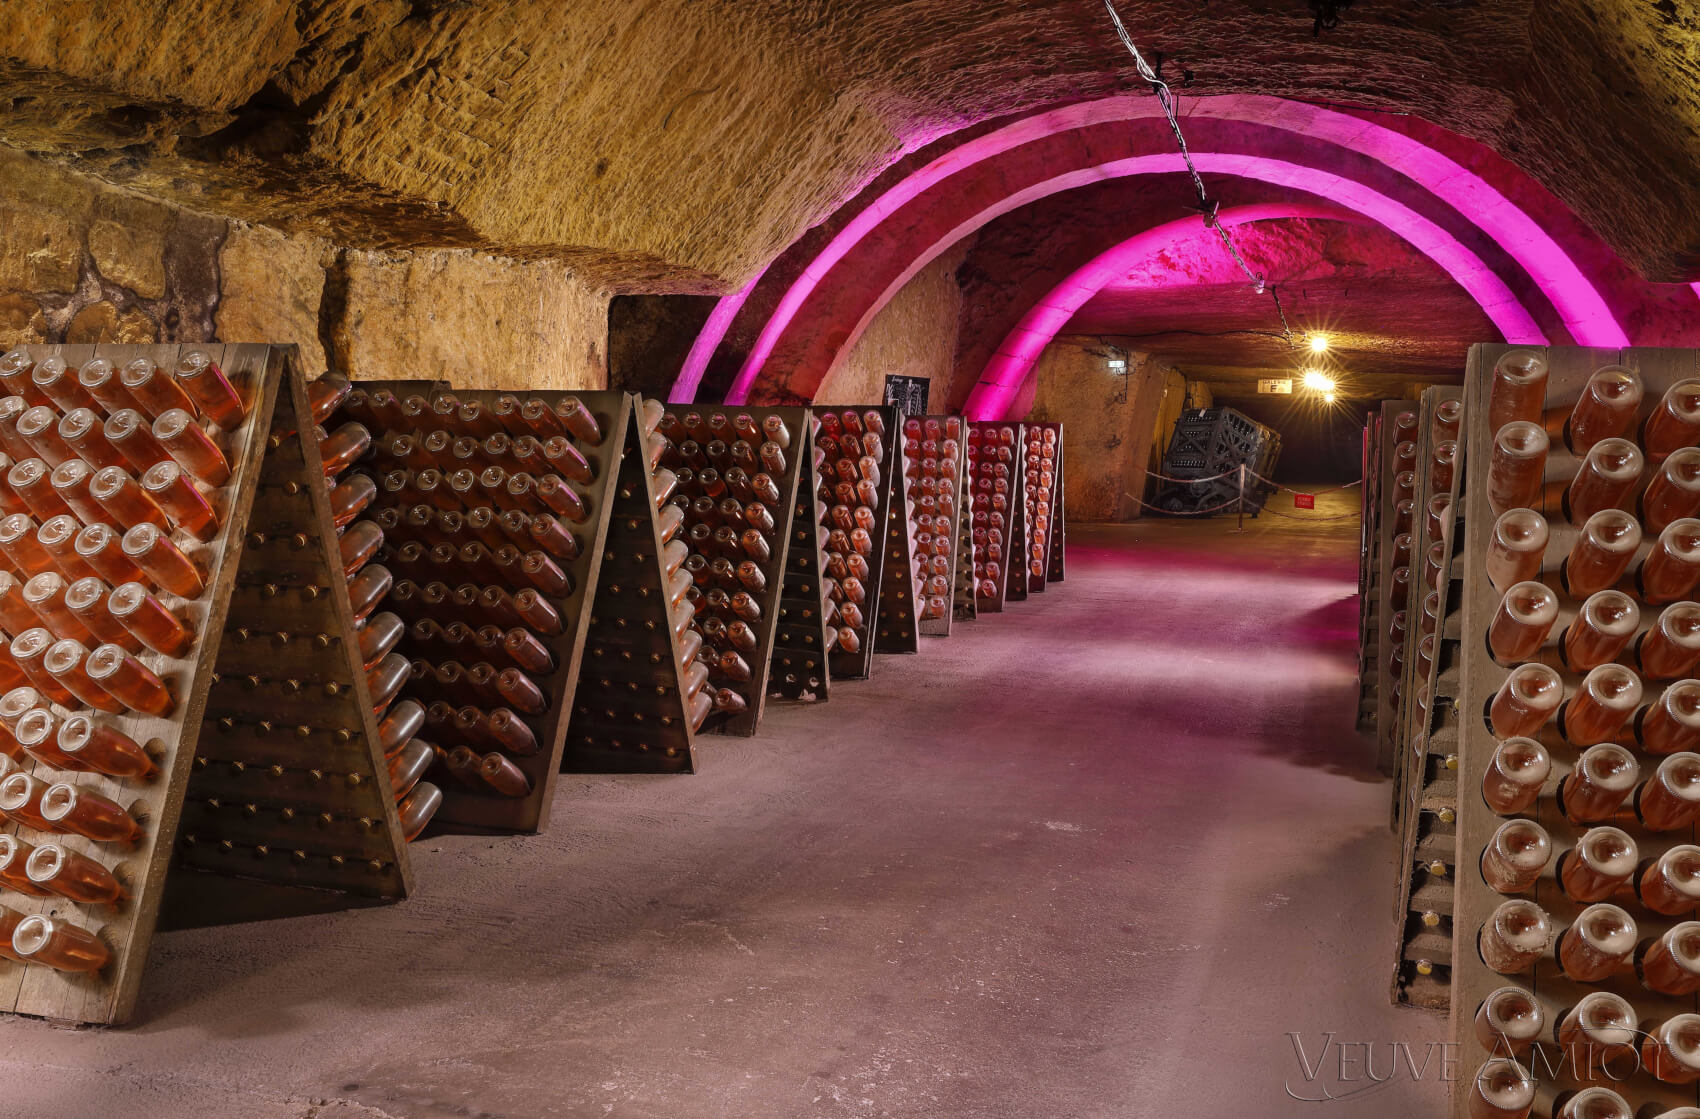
(907, 394)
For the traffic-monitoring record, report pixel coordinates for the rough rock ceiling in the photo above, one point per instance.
(1390, 313)
(679, 144)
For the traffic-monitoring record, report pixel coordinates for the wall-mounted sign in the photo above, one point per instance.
(909, 394)
(1284, 387)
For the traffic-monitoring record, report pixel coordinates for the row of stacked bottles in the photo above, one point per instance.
(1560, 697)
(260, 632)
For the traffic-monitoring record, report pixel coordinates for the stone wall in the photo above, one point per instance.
(83, 262)
(914, 335)
(1110, 423)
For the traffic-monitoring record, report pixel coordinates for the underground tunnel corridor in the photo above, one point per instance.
(1102, 859)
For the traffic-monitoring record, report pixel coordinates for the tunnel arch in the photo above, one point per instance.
(1547, 285)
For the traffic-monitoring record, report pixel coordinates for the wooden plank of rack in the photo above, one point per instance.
(799, 670)
(290, 786)
(1369, 576)
(964, 605)
(1385, 722)
(630, 712)
(895, 626)
(475, 811)
(1480, 679)
(127, 929)
(1426, 794)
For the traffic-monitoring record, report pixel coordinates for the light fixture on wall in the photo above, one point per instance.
(1318, 381)
(1318, 343)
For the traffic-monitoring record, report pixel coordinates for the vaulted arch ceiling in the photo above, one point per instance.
(1536, 271)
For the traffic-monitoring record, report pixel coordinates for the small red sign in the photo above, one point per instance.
(1304, 501)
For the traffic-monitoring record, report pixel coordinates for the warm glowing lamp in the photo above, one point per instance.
(1319, 343)
(1321, 382)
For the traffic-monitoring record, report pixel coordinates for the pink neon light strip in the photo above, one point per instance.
(1579, 305)
(1007, 370)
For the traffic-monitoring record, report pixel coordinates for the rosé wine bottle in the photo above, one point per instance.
(1674, 491)
(1671, 646)
(1671, 964)
(1675, 423)
(1607, 408)
(1502, 1089)
(1602, 552)
(1670, 799)
(1517, 467)
(1601, 861)
(1515, 937)
(1521, 624)
(1516, 548)
(1519, 388)
(1673, 566)
(1604, 776)
(1603, 629)
(1594, 1103)
(1601, 941)
(1606, 479)
(1671, 884)
(58, 944)
(1515, 775)
(1515, 856)
(1671, 1049)
(1509, 1021)
(1528, 698)
(1671, 723)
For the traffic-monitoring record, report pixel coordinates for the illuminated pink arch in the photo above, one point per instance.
(1578, 304)
(1012, 365)
(1483, 285)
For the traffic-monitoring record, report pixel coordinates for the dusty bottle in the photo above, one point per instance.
(1671, 723)
(1603, 629)
(1519, 389)
(1670, 799)
(1516, 547)
(1604, 777)
(1514, 777)
(1515, 937)
(39, 427)
(1606, 478)
(1601, 861)
(1509, 1021)
(1517, 466)
(1602, 552)
(150, 621)
(1671, 884)
(1675, 423)
(81, 431)
(1515, 856)
(64, 873)
(31, 482)
(129, 681)
(70, 481)
(1521, 624)
(188, 509)
(1599, 942)
(163, 563)
(503, 776)
(1607, 408)
(1529, 697)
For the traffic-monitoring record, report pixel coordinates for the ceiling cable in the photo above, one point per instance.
(1209, 208)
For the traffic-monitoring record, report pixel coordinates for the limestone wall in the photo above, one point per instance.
(83, 262)
(914, 335)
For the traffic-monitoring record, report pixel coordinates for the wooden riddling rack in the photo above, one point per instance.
(841, 472)
(896, 625)
(337, 832)
(936, 479)
(715, 461)
(1425, 798)
(995, 538)
(639, 703)
(1043, 505)
(1369, 573)
(964, 600)
(1398, 486)
(1480, 679)
(442, 543)
(798, 669)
